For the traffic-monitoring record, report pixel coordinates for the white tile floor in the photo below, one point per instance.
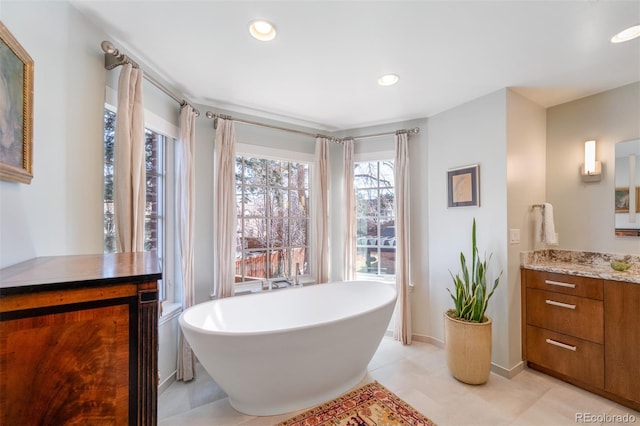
(418, 374)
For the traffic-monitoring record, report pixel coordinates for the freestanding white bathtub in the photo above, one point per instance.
(290, 349)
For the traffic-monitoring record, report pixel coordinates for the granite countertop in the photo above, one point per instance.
(587, 264)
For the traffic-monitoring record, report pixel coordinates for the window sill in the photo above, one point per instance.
(376, 278)
(169, 312)
(383, 280)
(257, 284)
(256, 287)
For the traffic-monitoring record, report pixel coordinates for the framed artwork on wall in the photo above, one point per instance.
(622, 200)
(16, 110)
(463, 186)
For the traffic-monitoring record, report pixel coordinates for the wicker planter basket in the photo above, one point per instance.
(468, 348)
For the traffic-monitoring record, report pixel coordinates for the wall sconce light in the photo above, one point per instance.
(591, 170)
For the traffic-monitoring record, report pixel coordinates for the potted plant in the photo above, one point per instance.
(467, 330)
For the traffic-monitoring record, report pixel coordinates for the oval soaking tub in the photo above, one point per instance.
(285, 350)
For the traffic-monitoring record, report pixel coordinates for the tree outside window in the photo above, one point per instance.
(272, 201)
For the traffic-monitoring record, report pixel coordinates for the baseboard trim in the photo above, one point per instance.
(428, 339)
(499, 370)
(508, 373)
(167, 382)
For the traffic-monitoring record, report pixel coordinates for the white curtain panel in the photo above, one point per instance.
(350, 213)
(402, 331)
(185, 220)
(129, 162)
(320, 210)
(224, 220)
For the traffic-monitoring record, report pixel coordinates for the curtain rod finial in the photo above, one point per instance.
(109, 48)
(209, 114)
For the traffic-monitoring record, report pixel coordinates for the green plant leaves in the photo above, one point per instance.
(471, 298)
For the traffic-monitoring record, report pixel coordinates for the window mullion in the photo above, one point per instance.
(267, 219)
(242, 222)
(289, 249)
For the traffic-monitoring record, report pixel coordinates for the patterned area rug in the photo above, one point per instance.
(370, 405)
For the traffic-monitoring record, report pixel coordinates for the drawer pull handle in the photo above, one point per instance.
(559, 284)
(562, 345)
(560, 304)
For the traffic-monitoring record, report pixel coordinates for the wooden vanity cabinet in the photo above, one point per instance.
(78, 340)
(564, 325)
(622, 339)
(585, 331)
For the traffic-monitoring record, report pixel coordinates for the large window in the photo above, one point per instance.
(273, 218)
(375, 221)
(154, 219)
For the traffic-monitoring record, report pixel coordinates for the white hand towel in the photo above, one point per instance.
(538, 223)
(548, 225)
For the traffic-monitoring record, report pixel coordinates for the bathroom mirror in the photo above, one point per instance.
(627, 188)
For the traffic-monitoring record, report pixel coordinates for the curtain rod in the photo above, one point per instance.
(215, 117)
(113, 58)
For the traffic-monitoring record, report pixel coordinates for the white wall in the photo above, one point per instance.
(60, 212)
(203, 245)
(168, 332)
(526, 148)
(468, 134)
(584, 212)
(505, 134)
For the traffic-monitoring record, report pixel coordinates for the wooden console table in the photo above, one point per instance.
(79, 340)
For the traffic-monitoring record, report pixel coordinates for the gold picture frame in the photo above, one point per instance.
(463, 186)
(16, 110)
(622, 200)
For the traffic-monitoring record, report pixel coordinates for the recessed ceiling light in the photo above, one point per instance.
(262, 30)
(626, 35)
(388, 80)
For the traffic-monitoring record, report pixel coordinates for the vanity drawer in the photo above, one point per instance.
(575, 316)
(574, 285)
(566, 355)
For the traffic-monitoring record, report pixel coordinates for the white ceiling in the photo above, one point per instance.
(321, 69)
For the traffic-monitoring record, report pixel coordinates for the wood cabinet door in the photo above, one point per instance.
(622, 339)
(67, 367)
